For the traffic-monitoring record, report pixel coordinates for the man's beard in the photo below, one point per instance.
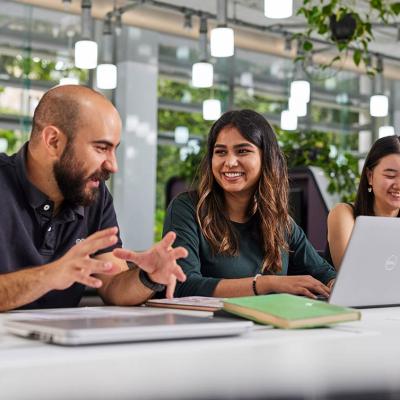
(70, 177)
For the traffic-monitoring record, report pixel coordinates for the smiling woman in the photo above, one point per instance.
(236, 163)
(236, 226)
(378, 195)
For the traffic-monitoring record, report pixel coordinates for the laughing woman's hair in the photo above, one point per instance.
(364, 203)
(269, 204)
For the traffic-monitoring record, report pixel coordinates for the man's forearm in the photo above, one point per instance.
(22, 287)
(125, 289)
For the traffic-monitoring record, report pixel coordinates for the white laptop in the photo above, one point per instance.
(89, 326)
(369, 275)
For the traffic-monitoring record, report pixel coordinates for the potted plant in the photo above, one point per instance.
(346, 27)
(342, 30)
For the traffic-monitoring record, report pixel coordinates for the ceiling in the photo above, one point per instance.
(248, 11)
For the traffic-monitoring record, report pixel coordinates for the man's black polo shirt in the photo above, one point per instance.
(31, 236)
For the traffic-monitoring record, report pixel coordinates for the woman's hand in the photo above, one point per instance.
(330, 284)
(304, 285)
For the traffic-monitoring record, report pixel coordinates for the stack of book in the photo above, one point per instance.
(280, 310)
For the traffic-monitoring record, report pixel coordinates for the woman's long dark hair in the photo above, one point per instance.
(364, 203)
(270, 202)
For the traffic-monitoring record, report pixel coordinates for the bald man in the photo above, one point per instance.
(58, 228)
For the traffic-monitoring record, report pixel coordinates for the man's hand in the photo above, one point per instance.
(77, 265)
(159, 262)
(304, 285)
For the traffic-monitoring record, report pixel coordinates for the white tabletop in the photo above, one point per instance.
(362, 356)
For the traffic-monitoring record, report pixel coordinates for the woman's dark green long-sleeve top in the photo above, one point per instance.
(204, 269)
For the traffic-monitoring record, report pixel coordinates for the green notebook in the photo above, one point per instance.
(288, 311)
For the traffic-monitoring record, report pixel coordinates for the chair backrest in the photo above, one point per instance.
(175, 185)
(308, 202)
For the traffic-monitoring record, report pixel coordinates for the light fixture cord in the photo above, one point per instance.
(222, 12)
(203, 38)
(86, 20)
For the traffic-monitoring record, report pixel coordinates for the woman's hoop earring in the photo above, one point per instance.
(369, 189)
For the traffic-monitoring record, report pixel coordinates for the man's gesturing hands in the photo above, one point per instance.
(77, 265)
(159, 262)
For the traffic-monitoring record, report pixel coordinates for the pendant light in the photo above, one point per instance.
(211, 109)
(288, 121)
(379, 103)
(202, 71)
(278, 8)
(106, 72)
(222, 38)
(86, 49)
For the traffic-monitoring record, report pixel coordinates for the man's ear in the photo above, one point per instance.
(54, 140)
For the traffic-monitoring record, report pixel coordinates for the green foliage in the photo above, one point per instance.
(158, 224)
(168, 120)
(162, 178)
(257, 102)
(357, 57)
(320, 149)
(168, 163)
(307, 45)
(183, 93)
(190, 167)
(319, 17)
(34, 68)
(395, 8)
(11, 138)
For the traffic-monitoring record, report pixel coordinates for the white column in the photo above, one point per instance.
(134, 185)
(365, 137)
(395, 103)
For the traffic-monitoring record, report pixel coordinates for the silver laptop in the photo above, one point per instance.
(73, 327)
(369, 275)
